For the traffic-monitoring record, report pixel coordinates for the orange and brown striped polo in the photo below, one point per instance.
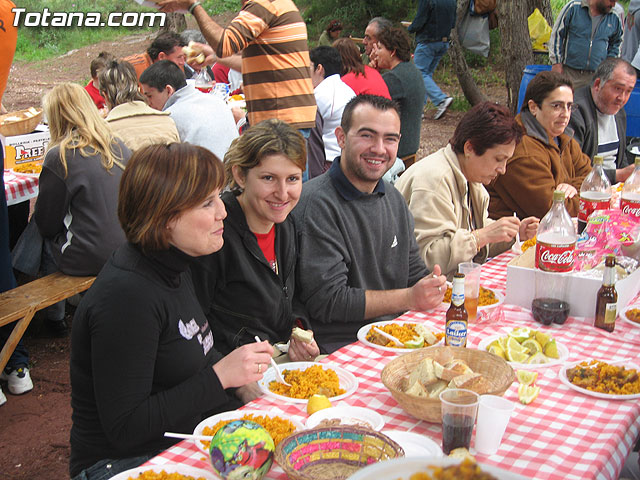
(275, 61)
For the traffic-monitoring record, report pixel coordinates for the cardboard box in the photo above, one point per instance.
(581, 292)
(28, 148)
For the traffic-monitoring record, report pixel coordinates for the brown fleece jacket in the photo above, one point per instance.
(537, 167)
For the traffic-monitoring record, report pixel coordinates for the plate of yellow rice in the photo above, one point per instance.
(279, 425)
(308, 379)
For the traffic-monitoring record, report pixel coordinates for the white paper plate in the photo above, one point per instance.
(236, 415)
(169, 468)
(563, 352)
(347, 380)
(402, 468)
(498, 295)
(623, 315)
(362, 336)
(348, 415)
(414, 444)
(562, 375)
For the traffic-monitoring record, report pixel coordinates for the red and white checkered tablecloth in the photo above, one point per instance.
(19, 188)
(561, 435)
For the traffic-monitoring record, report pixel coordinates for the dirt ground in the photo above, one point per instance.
(34, 427)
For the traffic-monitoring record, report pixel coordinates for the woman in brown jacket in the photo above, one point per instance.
(546, 159)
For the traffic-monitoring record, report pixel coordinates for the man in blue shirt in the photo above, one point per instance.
(433, 24)
(584, 34)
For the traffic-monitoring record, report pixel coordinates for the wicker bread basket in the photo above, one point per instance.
(333, 453)
(19, 122)
(495, 369)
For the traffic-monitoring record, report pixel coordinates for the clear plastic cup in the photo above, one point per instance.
(471, 272)
(493, 417)
(459, 409)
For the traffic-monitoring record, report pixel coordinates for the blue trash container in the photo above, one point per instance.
(633, 112)
(530, 71)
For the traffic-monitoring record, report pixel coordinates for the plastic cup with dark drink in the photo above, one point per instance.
(459, 410)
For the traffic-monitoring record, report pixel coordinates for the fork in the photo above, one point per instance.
(279, 376)
(389, 337)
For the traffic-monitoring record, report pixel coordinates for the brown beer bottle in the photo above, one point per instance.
(456, 319)
(607, 300)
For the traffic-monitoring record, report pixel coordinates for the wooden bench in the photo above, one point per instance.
(24, 301)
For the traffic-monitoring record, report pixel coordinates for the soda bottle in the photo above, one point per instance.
(556, 238)
(456, 319)
(607, 300)
(595, 193)
(630, 198)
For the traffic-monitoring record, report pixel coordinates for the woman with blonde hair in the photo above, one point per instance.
(135, 122)
(78, 189)
(246, 289)
(143, 359)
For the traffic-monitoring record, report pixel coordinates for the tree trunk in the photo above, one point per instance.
(471, 91)
(175, 22)
(515, 46)
(545, 9)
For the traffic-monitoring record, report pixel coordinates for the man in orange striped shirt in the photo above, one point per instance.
(272, 37)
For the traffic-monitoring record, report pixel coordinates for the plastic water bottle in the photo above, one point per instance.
(595, 193)
(630, 198)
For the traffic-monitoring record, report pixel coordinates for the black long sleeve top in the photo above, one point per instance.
(141, 359)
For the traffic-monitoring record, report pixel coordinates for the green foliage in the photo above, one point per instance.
(37, 43)
(216, 7)
(354, 14)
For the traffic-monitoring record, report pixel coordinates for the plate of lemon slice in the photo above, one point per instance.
(526, 348)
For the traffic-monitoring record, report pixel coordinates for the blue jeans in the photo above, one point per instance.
(426, 58)
(108, 468)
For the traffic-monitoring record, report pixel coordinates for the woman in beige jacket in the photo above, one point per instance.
(447, 198)
(135, 122)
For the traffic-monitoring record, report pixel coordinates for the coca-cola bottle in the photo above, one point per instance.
(630, 198)
(556, 238)
(555, 247)
(595, 193)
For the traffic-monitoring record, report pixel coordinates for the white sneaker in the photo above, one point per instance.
(3, 399)
(443, 107)
(18, 379)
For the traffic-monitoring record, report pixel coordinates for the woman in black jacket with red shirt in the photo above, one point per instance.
(246, 289)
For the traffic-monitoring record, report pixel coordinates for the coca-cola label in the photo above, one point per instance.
(630, 208)
(554, 257)
(587, 207)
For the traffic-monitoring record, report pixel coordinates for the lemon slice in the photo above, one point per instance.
(525, 377)
(497, 350)
(415, 342)
(527, 393)
(317, 403)
(495, 343)
(513, 344)
(520, 334)
(503, 342)
(542, 338)
(538, 359)
(532, 346)
(516, 356)
(551, 349)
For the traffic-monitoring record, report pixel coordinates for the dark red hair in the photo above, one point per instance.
(486, 125)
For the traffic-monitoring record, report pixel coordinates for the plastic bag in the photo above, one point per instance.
(474, 34)
(607, 231)
(539, 30)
